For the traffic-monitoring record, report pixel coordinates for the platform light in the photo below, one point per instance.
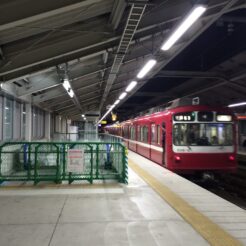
(189, 20)
(70, 93)
(147, 67)
(131, 86)
(83, 115)
(116, 102)
(123, 95)
(110, 109)
(66, 84)
(237, 104)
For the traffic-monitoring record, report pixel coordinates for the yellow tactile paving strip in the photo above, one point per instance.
(203, 225)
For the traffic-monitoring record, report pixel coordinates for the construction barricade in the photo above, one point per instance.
(63, 161)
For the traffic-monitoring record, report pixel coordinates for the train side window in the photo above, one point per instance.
(125, 131)
(163, 134)
(133, 132)
(153, 133)
(158, 134)
(141, 133)
(145, 134)
(138, 133)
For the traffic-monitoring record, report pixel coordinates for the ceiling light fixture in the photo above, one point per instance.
(66, 84)
(237, 104)
(116, 102)
(70, 93)
(110, 109)
(147, 67)
(189, 20)
(131, 86)
(123, 95)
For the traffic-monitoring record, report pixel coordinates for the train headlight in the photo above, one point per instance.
(177, 158)
(232, 158)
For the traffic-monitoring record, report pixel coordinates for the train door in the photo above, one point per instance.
(152, 140)
(155, 144)
(163, 130)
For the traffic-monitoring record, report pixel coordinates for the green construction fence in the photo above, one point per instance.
(53, 161)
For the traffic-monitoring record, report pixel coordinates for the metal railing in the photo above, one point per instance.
(51, 161)
(86, 137)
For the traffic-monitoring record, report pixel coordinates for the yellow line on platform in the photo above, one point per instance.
(214, 234)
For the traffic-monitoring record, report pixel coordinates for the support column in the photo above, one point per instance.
(47, 126)
(28, 135)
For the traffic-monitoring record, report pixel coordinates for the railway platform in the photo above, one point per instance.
(156, 208)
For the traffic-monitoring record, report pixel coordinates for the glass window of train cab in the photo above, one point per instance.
(153, 133)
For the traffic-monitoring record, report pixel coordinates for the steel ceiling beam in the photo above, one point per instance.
(201, 26)
(117, 12)
(224, 82)
(35, 66)
(188, 74)
(131, 26)
(45, 15)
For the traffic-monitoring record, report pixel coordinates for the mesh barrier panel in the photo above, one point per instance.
(86, 137)
(48, 161)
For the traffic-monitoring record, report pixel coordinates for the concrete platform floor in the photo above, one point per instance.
(124, 215)
(103, 214)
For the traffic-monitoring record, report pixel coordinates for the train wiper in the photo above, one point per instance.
(222, 146)
(188, 146)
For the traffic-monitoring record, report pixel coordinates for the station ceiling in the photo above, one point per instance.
(102, 44)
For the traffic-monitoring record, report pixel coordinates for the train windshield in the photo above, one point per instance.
(203, 134)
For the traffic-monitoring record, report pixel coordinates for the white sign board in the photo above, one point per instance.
(75, 160)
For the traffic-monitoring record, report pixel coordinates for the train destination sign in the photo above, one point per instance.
(75, 160)
(190, 116)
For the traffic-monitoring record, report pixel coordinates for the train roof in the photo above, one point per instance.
(173, 110)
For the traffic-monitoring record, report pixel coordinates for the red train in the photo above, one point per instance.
(184, 139)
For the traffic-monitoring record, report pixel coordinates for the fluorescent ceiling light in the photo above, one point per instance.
(147, 67)
(66, 84)
(123, 95)
(116, 102)
(110, 109)
(184, 26)
(131, 86)
(70, 93)
(237, 104)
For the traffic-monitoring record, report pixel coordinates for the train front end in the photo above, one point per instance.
(202, 140)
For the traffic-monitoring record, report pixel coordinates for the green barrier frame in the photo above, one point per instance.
(28, 161)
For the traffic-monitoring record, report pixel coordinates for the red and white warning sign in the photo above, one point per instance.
(75, 160)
